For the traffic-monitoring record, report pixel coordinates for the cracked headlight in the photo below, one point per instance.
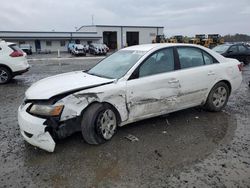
(46, 110)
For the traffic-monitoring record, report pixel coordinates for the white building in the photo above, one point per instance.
(115, 37)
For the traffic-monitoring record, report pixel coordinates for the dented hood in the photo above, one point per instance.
(63, 83)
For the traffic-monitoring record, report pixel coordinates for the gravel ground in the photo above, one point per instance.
(189, 148)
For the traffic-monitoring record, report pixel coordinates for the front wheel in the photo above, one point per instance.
(218, 97)
(5, 75)
(99, 123)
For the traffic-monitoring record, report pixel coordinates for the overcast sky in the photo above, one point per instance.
(186, 17)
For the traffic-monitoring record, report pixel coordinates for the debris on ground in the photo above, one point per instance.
(226, 112)
(167, 122)
(158, 153)
(164, 132)
(196, 117)
(132, 138)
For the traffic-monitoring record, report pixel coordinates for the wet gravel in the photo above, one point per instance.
(189, 148)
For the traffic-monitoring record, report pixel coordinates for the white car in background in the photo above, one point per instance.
(97, 49)
(13, 61)
(78, 49)
(86, 47)
(132, 84)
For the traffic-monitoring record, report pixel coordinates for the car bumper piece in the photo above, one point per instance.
(33, 130)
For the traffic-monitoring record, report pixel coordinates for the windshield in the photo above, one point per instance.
(221, 48)
(117, 65)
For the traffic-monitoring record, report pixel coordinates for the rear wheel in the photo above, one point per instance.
(218, 97)
(99, 123)
(5, 75)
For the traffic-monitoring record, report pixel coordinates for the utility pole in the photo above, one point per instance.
(92, 19)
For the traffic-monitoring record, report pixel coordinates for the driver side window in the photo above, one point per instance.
(159, 62)
(233, 49)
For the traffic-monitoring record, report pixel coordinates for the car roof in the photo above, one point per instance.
(148, 47)
(153, 47)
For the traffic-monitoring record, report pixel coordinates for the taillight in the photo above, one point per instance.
(240, 66)
(16, 54)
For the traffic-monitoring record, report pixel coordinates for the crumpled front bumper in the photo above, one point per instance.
(33, 130)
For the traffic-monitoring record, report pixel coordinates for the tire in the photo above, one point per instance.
(99, 123)
(217, 98)
(5, 75)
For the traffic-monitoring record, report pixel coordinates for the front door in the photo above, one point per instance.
(233, 52)
(155, 89)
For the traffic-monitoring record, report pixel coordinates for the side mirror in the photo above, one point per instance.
(229, 52)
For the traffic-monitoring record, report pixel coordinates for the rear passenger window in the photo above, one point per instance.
(242, 48)
(190, 57)
(208, 59)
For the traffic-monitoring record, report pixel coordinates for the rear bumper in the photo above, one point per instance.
(20, 72)
(19, 66)
(33, 130)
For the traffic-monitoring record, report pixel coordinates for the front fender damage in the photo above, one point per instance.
(77, 102)
(74, 105)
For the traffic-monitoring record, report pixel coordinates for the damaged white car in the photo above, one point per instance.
(132, 84)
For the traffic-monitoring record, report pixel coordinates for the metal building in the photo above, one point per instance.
(115, 37)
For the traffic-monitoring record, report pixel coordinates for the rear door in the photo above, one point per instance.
(153, 87)
(197, 74)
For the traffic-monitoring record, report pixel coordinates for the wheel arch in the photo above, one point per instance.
(7, 67)
(227, 83)
(220, 81)
(207, 102)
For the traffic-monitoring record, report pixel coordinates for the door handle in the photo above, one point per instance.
(172, 81)
(211, 73)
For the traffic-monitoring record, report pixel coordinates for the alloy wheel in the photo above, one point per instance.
(3, 76)
(219, 97)
(107, 123)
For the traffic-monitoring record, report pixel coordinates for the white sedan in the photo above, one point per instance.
(132, 84)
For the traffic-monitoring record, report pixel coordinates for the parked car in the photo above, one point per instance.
(13, 61)
(27, 48)
(70, 47)
(86, 47)
(97, 49)
(106, 47)
(78, 49)
(238, 51)
(132, 84)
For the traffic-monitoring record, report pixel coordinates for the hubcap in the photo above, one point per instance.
(107, 124)
(219, 97)
(3, 76)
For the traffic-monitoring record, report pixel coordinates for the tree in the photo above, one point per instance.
(237, 38)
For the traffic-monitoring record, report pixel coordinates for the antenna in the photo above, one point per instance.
(92, 19)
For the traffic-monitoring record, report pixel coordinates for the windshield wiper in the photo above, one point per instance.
(99, 75)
